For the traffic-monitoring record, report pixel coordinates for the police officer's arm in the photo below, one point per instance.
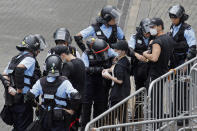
(131, 51)
(88, 69)
(25, 64)
(19, 77)
(120, 34)
(189, 35)
(154, 56)
(83, 35)
(33, 93)
(73, 94)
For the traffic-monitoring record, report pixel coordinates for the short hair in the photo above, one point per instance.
(59, 49)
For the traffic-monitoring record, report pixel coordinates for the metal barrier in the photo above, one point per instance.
(118, 113)
(170, 126)
(193, 89)
(168, 95)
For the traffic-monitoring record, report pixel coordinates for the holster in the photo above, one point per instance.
(58, 114)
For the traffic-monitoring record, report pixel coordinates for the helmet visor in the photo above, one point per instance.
(116, 13)
(43, 45)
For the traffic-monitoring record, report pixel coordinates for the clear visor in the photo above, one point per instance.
(43, 45)
(116, 13)
(146, 28)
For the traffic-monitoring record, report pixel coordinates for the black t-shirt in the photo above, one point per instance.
(161, 66)
(121, 72)
(75, 71)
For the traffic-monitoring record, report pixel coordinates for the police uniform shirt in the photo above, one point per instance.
(84, 57)
(64, 90)
(189, 34)
(89, 31)
(29, 63)
(132, 41)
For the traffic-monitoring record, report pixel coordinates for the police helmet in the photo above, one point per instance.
(108, 13)
(100, 46)
(30, 43)
(53, 65)
(62, 34)
(145, 25)
(177, 11)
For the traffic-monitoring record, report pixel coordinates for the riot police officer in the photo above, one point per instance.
(96, 58)
(185, 49)
(22, 72)
(105, 28)
(138, 43)
(56, 91)
(62, 37)
(183, 34)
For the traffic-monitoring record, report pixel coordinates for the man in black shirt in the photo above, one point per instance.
(159, 55)
(74, 70)
(159, 51)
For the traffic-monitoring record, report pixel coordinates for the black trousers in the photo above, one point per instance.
(140, 72)
(94, 94)
(57, 126)
(22, 116)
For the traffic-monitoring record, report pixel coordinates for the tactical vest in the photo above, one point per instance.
(140, 45)
(99, 33)
(182, 46)
(49, 92)
(13, 64)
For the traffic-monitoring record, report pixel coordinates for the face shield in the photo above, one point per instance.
(116, 13)
(146, 28)
(43, 43)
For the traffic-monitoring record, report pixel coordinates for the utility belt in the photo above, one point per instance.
(55, 114)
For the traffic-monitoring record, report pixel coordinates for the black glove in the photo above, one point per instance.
(191, 52)
(75, 100)
(79, 41)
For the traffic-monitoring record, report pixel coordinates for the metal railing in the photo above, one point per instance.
(142, 125)
(193, 89)
(118, 113)
(168, 95)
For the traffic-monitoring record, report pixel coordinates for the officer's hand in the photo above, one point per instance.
(140, 57)
(71, 112)
(11, 91)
